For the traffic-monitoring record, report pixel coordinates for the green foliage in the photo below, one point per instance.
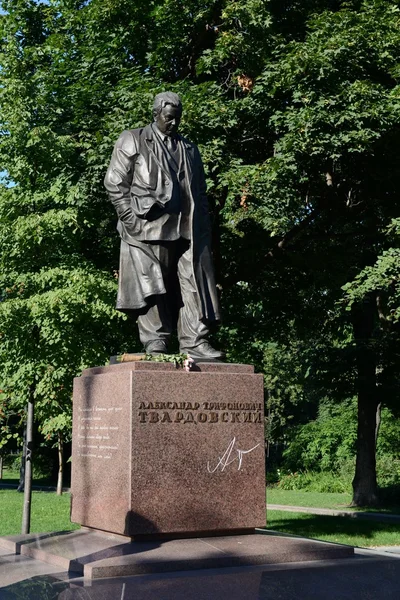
(177, 359)
(57, 255)
(315, 482)
(388, 469)
(9, 461)
(296, 111)
(327, 444)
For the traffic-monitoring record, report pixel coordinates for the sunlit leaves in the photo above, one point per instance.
(295, 107)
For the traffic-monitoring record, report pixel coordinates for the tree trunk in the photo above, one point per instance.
(60, 464)
(26, 515)
(1, 467)
(365, 491)
(22, 467)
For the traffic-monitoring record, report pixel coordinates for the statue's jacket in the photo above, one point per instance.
(139, 185)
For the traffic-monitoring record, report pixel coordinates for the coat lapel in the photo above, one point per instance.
(188, 158)
(149, 152)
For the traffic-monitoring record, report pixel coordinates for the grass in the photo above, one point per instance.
(342, 530)
(335, 501)
(301, 498)
(49, 512)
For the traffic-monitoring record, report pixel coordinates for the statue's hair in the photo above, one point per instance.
(165, 98)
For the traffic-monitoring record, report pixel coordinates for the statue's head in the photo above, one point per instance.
(167, 112)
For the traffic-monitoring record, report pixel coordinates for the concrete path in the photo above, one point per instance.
(370, 516)
(389, 549)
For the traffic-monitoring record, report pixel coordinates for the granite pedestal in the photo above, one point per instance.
(157, 450)
(96, 554)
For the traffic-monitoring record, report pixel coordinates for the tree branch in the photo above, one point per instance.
(294, 232)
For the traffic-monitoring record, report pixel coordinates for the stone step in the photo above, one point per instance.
(96, 554)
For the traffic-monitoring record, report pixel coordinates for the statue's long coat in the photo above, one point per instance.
(139, 184)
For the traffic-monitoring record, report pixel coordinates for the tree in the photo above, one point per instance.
(57, 279)
(321, 180)
(295, 108)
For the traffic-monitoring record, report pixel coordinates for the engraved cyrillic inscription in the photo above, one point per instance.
(197, 413)
(96, 439)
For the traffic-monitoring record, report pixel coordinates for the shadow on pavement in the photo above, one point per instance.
(42, 587)
(369, 579)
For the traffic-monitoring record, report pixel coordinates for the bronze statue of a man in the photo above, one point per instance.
(156, 182)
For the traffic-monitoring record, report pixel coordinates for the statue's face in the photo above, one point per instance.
(168, 119)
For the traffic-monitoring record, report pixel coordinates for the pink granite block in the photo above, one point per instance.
(96, 554)
(158, 450)
(101, 451)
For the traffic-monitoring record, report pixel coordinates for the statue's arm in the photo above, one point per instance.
(119, 175)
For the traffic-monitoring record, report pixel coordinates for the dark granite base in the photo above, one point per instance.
(96, 554)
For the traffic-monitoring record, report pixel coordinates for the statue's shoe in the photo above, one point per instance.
(204, 351)
(157, 347)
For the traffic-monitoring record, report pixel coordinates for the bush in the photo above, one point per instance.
(326, 447)
(42, 465)
(390, 495)
(388, 443)
(388, 471)
(326, 443)
(272, 477)
(9, 460)
(323, 481)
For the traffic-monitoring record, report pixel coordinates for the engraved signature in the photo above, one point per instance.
(226, 460)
